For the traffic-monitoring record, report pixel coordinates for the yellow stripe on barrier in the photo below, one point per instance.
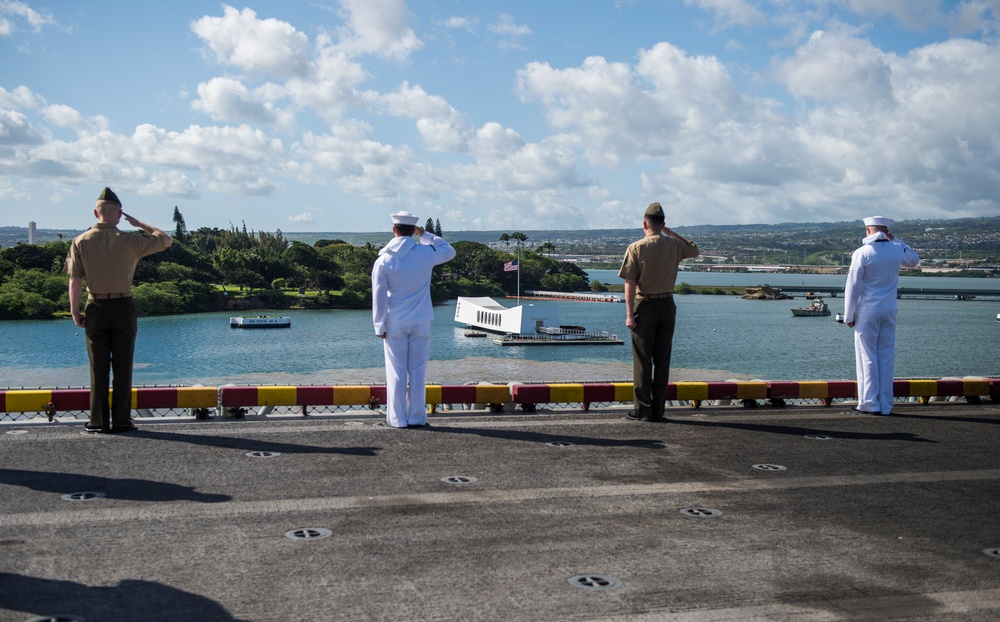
(276, 396)
(492, 394)
(751, 390)
(692, 390)
(567, 393)
(28, 401)
(923, 388)
(132, 397)
(353, 395)
(624, 391)
(976, 387)
(813, 389)
(433, 394)
(197, 397)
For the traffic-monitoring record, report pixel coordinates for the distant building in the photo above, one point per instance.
(31, 232)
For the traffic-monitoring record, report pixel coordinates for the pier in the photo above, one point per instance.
(902, 292)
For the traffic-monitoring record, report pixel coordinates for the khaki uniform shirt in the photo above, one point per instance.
(105, 258)
(652, 262)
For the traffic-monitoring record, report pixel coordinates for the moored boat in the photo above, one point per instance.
(817, 308)
(260, 321)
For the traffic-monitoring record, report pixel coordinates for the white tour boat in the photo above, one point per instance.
(260, 321)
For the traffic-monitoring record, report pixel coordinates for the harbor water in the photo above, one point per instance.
(717, 337)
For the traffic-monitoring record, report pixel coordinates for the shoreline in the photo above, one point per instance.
(458, 371)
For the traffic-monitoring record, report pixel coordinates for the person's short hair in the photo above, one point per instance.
(405, 230)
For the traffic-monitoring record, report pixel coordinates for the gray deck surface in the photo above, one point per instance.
(889, 518)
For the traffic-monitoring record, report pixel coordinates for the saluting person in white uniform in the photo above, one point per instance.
(870, 309)
(402, 314)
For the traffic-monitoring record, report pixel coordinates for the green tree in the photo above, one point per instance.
(180, 229)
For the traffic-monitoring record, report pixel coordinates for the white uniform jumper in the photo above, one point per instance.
(871, 305)
(402, 311)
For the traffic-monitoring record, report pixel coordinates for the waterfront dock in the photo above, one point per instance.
(807, 512)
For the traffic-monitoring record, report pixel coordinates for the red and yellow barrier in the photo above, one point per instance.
(52, 401)
(527, 395)
(697, 392)
(826, 390)
(924, 390)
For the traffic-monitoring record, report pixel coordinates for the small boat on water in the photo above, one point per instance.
(817, 308)
(260, 321)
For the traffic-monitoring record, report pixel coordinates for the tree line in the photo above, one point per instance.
(208, 269)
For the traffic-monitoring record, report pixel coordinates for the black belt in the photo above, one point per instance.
(655, 296)
(108, 296)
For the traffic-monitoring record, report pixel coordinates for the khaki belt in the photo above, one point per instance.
(655, 296)
(108, 296)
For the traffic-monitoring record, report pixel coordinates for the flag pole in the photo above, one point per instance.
(519, 273)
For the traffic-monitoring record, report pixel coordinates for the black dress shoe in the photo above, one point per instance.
(94, 429)
(118, 429)
(634, 417)
(419, 425)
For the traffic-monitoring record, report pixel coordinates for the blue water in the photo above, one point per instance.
(759, 339)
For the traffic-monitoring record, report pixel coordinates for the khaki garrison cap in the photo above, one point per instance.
(108, 195)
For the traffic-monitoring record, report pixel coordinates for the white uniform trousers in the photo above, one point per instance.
(406, 352)
(875, 358)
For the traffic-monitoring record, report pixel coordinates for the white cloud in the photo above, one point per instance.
(731, 12)
(331, 87)
(604, 105)
(16, 129)
(838, 67)
(36, 20)
(240, 39)
(20, 98)
(495, 142)
(439, 124)
(172, 183)
(303, 218)
(226, 99)
(461, 23)
(378, 27)
(359, 165)
(63, 116)
(509, 31)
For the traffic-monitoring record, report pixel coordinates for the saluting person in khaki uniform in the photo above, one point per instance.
(105, 258)
(650, 270)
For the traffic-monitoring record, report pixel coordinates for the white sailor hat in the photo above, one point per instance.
(878, 221)
(403, 218)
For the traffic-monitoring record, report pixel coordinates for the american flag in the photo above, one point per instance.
(510, 266)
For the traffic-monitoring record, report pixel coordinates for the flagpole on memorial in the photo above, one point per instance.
(518, 273)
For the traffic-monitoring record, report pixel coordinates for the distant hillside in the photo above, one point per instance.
(964, 232)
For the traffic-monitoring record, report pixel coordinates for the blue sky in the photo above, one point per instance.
(328, 115)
